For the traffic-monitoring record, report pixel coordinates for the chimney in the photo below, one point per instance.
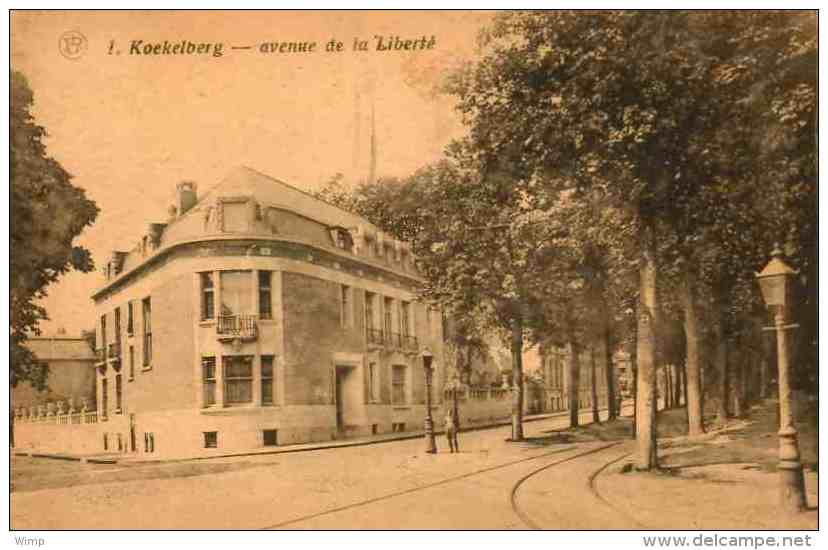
(186, 196)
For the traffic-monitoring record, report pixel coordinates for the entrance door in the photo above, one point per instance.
(340, 380)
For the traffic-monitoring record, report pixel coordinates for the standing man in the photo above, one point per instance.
(452, 427)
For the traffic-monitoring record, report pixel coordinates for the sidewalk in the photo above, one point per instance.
(125, 458)
(726, 479)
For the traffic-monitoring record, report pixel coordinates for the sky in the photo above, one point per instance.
(129, 127)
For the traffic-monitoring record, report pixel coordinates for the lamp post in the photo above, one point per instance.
(431, 446)
(776, 283)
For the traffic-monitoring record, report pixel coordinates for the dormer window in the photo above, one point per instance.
(342, 238)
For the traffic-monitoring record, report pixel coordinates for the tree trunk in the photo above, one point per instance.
(693, 388)
(645, 416)
(596, 415)
(612, 409)
(677, 391)
(634, 367)
(517, 379)
(721, 392)
(574, 377)
(738, 389)
(763, 368)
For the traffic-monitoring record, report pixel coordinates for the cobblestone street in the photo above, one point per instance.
(384, 486)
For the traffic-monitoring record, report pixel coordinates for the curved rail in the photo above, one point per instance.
(513, 495)
(414, 489)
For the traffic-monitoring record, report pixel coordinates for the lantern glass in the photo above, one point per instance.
(427, 358)
(775, 281)
(774, 290)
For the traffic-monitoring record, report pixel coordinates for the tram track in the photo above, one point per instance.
(513, 495)
(414, 489)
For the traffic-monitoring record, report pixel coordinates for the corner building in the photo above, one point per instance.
(258, 316)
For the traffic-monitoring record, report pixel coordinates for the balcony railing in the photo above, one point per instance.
(375, 336)
(230, 327)
(379, 337)
(100, 355)
(410, 342)
(114, 351)
(394, 339)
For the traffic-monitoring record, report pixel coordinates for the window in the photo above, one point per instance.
(398, 396)
(210, 440)
(236, 215)
(372, 382)
(118, 326)
(151, 442)
(405, 312)
(238, 379)
(208, 304)
(103, 334)
(208, 376)
(345, 306)
(236, 297)
(131, 362)
(342, 238)
(269, 438)
(147, 311)
(106, 441)
(146, 442)
(267, 380)
(104, 397)
(130, 322)
(265, 307)
(118, 394)
(389, 305)
(369, 310)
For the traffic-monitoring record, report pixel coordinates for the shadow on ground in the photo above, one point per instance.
(33, 474)
(751, 440)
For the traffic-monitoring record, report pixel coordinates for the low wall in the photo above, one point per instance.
(479, 406)
(181, 432)
(74, 434)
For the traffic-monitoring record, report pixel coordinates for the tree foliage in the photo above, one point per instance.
(47, 214)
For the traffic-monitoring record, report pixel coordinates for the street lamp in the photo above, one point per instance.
(776, 284)
(431, 446)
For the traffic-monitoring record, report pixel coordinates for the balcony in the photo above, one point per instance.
(237, 327)
(375, 337)
(100, 356)
(114, 352)
(391, 340)
(410, 343)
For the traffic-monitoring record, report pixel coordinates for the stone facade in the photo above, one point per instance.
(557, 380)
(257, 316)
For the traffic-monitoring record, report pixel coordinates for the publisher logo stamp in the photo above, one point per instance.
(72, 44)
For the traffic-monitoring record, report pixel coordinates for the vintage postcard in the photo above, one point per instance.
(415, 270)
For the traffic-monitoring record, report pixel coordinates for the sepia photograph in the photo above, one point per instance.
(423, 270)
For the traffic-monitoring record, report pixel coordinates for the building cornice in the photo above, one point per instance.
(262, 240)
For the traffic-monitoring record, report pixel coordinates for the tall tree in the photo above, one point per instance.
(47, 214)
(628, 103)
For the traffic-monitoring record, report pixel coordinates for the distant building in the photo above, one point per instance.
(557, 380)
(71, 366)
(625, 373)
(257, 315)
